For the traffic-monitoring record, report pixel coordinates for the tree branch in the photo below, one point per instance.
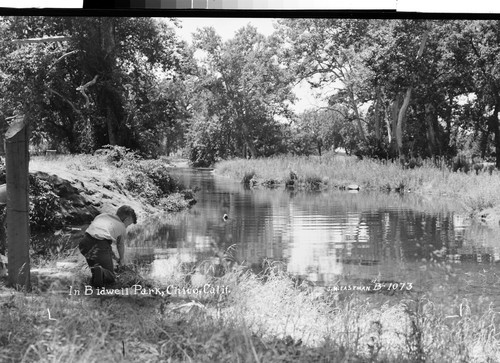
(67, 101)
(61, 58)
(41, 40)
(84, 87)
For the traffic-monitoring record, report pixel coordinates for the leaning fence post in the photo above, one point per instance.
(18, 233)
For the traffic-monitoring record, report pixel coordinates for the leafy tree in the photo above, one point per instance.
(330, 52)
(323, 129)
(243, 87)
(94, 89)
(481, 42)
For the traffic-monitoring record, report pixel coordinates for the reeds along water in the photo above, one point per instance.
(474, 191)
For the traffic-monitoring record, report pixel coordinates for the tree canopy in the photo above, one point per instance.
(100, 86)
(392, 88)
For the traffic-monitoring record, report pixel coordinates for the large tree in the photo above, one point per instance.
(481, 42)
(331, 53)
(89, 90)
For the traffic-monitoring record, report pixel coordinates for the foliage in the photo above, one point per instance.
(160, 175)
(407, 87)
(241, 88)
(330, 51)
(207, 142)
(118, 155)
(321, 130)
(45, 206)
(103, 86)
(151, 180)
(391, 87)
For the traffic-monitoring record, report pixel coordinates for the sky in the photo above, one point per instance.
(227, 27)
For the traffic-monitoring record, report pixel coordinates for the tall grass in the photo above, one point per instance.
(476, 192)
(264, 318)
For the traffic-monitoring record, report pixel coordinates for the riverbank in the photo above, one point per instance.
(478, 194)
(106, 184)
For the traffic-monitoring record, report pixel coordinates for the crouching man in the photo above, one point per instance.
(95, 245)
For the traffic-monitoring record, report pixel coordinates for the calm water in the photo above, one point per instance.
(327, 236)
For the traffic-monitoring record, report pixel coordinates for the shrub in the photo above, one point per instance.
(159, 175)
(313, 182)
(248, 178)
(118, 155)
(151, 180)
(139, 183)
(45, 207)
(174, 202)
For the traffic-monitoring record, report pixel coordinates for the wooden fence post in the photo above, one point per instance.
(18, 233)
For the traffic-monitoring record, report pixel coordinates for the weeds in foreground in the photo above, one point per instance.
(267, 317)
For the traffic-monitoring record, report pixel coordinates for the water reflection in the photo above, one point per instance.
(320, 236)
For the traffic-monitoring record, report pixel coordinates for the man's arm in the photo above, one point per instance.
(120, 246)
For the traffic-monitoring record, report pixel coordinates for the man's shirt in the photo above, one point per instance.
(107, 226)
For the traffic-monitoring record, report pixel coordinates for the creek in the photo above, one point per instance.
(331, 237)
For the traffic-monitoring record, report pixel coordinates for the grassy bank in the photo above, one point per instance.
(476, 192)
(263, 318)
(116, 174)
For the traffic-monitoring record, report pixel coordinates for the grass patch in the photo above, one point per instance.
(265, 318)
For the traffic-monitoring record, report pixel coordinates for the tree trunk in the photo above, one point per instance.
(18, 234)
(496, 129)
(485, 135)
(431, 121)
(251, 147)
(402, 119)
(248, 143)
(319, 146)
(394, 121)
(406, 102)
(358, 118)
(448, 125)
(111, 123)
(108, 46)
(378, 133)
(3, 129)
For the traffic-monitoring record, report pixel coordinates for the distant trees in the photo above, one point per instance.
(318, 131)
(242, 88)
